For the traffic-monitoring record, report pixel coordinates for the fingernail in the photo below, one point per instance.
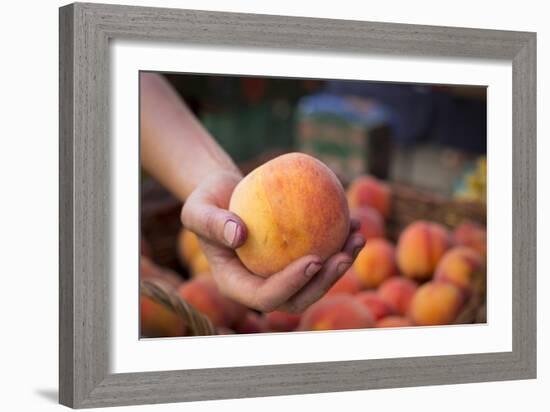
(230, 231)
(312, 269)
(343, 267)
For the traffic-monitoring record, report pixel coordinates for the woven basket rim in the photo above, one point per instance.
(159, 291)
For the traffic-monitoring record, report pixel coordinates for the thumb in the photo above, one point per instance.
(217, 225)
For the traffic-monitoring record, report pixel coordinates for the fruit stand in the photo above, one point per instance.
(161, 229)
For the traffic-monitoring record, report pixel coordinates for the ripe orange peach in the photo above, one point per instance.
(371, 222)
(435, 303)
(188, 246)
(375, 263)
(293, 206)
(369, 191)
(282, 321)
(158, 321)
(375, 304)
(397, 292)
(336, 312)
(420, 247)
(199, 265)
(458, 266)
(393, 322)
(472, 235)
(203, 294)
(191, 254)
(348, 284)
(206, 274)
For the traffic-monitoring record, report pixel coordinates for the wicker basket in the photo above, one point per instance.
(160, 224)
(410, 204)
(196, 323)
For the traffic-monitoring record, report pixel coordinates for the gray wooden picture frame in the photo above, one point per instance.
(85, 32)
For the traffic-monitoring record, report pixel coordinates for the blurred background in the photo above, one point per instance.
(429, 136)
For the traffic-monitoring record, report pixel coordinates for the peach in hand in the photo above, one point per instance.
(369, 191)
(420, 247)
(375, 263)
(397, 292)
(336, 312)
(435, 303)
(292, 206)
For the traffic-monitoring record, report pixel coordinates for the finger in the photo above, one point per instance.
(233, 279)
(237, 283)
(354, 243)
(215, 224)
(265, 295)
(279, 287)
(333, 269)
(310, 294)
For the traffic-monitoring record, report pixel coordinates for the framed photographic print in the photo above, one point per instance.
(256, 205)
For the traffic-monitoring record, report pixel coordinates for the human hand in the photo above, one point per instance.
(293, 289)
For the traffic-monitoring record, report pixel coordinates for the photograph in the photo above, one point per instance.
(280, 203)
(277, 205)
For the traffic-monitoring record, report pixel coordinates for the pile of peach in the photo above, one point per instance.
(426, 278)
